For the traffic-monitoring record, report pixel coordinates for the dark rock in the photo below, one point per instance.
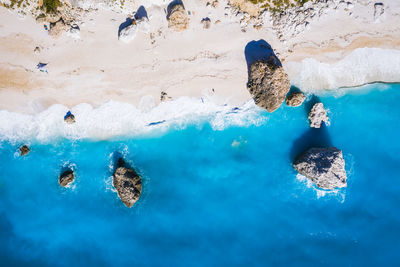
(66, 178)
(177, 17)
(268, 83)
(69, 118)
(128, 184)
(23, 150)
(295, 99)
(324, 166)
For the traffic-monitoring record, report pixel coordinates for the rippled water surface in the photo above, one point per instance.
(213, 197)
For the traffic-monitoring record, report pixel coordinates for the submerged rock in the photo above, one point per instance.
(23, 150)
(128, 184)
(323, 166)
(295, 99)
(318, 115)
(268, 83)
(177, 18)
(66, 178)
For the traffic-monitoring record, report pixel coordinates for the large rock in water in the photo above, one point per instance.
(128, 185)
(23, 150)
(177, 18)
(324, 166)
(318, 115)
(268, 83)
(295, 99)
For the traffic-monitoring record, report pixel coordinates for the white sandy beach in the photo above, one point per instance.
(344, 47)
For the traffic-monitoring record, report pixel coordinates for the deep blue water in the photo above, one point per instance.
(210, 197)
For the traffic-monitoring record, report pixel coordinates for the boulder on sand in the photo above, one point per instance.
(324, 166)
(66, 178)
(177, 17)
(57, 28)
(318, 115)
(128, 33)
(268, 83)
(295, 99)
(127, 183)
(23, 150)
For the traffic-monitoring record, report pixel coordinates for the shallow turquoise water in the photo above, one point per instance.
(213, 197)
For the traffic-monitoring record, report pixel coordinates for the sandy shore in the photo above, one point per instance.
(98, 67)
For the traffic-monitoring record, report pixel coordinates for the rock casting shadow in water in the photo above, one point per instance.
(259, 50)
(118, 161)
(171, 5)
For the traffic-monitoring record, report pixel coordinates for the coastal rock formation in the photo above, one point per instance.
(57, 28)
(66, 178)
(128, 33)
(128, 185)
(268, 83)
(23, 150)
(295, 99)
(318, 115)
(177, 18)
(324, 166)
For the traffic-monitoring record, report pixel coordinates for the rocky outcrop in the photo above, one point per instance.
(177, 18)
(128, 184)
(324, 166)
(318, 115)
(295, 99)
(57, 28)
(66, 178)
(268, 83)
(23, 150)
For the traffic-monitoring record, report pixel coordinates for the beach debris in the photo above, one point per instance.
(324, 166)
(128, 33)
(57, 28)
(42, 67)
(268, 83)
(206, 23)
(127, 183)
(69, 118)
(318, 115)
(178, 19)
(66, 178)
(23, 150)
(295, 99)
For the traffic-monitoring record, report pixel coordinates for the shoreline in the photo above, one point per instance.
(97, 67)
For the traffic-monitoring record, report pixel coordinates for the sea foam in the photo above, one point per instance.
(362, 66)
(119, 119)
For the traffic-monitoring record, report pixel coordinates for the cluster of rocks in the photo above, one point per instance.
(269, 85)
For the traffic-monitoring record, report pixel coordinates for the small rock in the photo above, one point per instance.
(268, 83)
(69, 118)
(324, 166)
(128, 184)
(23, 150)
(128, 33)
(164, 96)
(295, 99)
(36, 50)
(318, 115)
(66, 178)
(206, 23)
(74, 31)
(177, 18)
(57, 28)
(379, 10)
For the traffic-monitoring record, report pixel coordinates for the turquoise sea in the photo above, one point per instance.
(213, 197)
